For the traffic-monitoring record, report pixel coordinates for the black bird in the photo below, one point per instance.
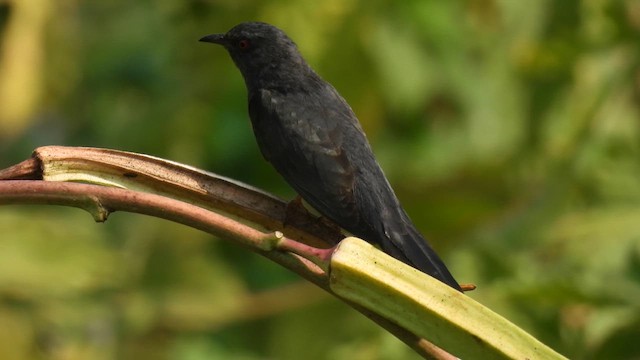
(308, 132)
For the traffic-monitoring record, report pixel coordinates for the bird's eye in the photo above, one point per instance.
(244, 44)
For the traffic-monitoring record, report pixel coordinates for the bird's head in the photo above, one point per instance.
(259, 50)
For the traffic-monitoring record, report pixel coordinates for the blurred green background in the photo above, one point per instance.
(509, 129)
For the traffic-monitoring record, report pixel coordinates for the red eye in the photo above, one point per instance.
(243, 44)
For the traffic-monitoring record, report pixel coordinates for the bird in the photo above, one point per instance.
(313, 139)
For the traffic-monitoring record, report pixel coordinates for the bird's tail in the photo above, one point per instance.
(406, 244)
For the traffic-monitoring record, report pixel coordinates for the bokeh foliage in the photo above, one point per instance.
(509, 129)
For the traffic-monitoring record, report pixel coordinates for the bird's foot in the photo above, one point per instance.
(295, 210)
(296, 207)
(298, 217)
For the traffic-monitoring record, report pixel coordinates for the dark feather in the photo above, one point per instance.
(308, 132)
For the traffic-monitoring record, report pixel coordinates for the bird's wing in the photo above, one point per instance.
(303, 140)
(320, 150)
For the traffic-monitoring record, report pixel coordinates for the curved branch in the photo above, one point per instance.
(101, 200)
(375, 284)
(150, 174)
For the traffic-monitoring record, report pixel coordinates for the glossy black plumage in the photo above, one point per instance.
(308, 132)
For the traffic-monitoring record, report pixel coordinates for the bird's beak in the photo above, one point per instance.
(214, 38)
